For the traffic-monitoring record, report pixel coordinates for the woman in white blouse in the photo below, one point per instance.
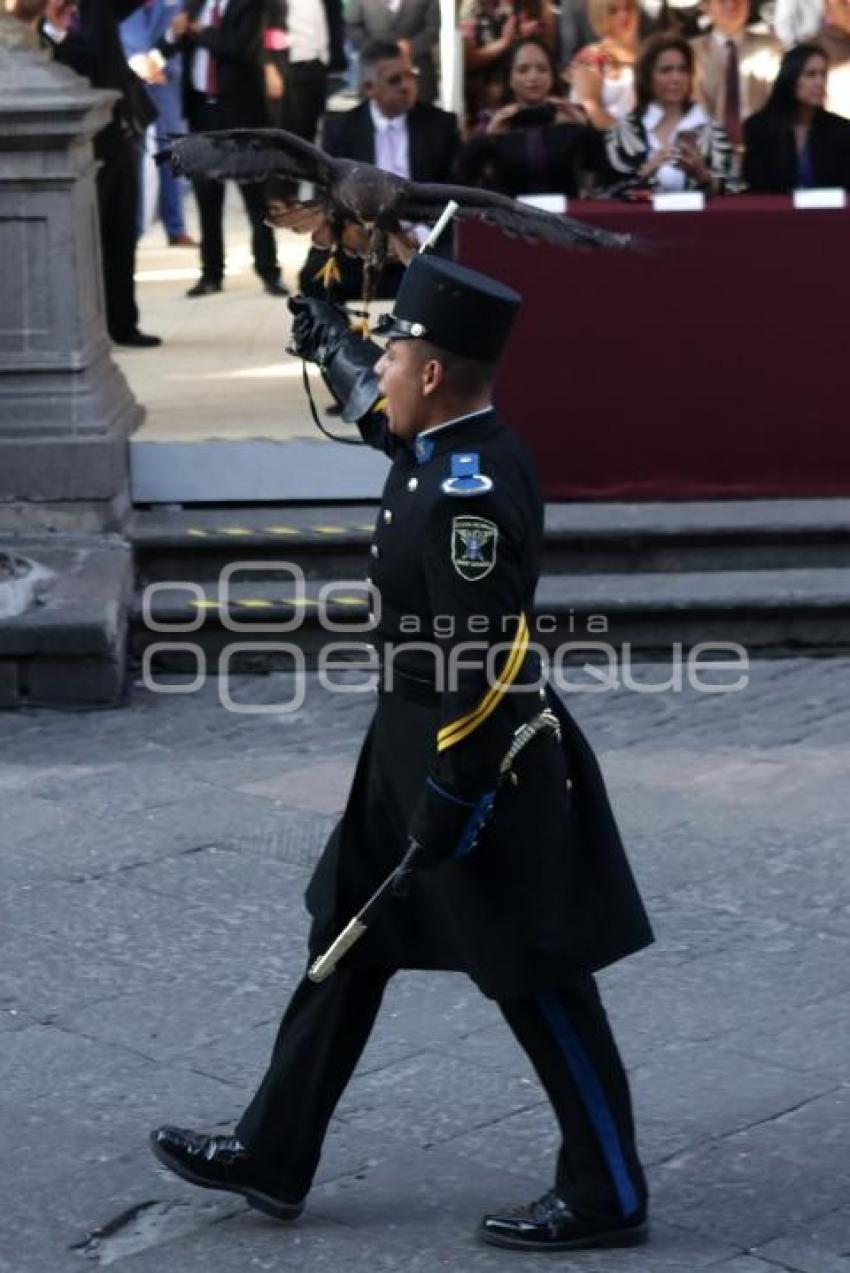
(601, 75)
(668, 141)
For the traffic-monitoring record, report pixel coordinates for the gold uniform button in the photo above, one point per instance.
(387, 516)
(375, 550)
(412, 484)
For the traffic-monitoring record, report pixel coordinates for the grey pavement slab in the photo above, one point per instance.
(194, 1019)
(811, 1039)
(460, 1098)
(720, 1187)
(152, 927)
(821, 1245)
(744, 1264)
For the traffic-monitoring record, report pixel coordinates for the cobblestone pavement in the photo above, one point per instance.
(152, 863)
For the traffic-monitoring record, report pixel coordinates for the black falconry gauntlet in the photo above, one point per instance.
(321, 334)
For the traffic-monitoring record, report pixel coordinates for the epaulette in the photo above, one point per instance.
(465, 478)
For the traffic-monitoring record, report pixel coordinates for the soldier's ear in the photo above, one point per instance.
(433, 375)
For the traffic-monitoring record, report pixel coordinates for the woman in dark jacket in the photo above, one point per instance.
(794, 143)
(538, 142)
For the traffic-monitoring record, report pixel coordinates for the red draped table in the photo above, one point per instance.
(714, 362)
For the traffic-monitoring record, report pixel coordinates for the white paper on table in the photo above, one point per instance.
(545, 202)
(826, 197)
(678, 201)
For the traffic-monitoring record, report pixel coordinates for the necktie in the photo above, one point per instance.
(212, 64)
(732, 95)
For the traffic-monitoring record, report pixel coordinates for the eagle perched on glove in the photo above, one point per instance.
(351, 193)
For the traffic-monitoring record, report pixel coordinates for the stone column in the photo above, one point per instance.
(65, 408)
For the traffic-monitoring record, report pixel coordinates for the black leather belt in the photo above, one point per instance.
(410, 689)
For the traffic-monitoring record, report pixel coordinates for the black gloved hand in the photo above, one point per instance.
(447, 825)
(318, 328)
(321, 334)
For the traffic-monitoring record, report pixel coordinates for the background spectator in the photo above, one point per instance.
(275, 41)
(489, 28)
(536, 17)
(222, 42)
(412, 24)
(85, 37)
(734, 67)
(397, 133)
(796, 21)
(834, 36)
(538, 142)
(794, 143)
(668, 142)
(602, 74)
(302, 42)
(142, 35)
(531, 91)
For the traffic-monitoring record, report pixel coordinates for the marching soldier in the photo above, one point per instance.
(518, 875)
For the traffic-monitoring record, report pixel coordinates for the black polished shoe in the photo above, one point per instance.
(137, 340)
(550, 1225)
(221, 1162)
(274, 287)
(205, 287)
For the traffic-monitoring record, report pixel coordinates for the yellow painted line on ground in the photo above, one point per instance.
(281, 530)
(196, 532)
(330, 530)
(256, 603)
(235, 530)
(206, 604)
(347, 601)
(367, 526)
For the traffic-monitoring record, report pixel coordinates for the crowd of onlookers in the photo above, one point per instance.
(608, 98)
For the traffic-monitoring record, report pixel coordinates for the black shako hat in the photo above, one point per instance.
(455, 308)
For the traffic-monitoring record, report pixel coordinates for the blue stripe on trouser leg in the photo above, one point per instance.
(592, 1095)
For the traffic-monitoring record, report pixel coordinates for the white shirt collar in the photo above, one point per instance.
(693, 118)
(435, 428)
(723, 40)
(382, 121)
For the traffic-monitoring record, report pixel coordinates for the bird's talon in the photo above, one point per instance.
(330, 272)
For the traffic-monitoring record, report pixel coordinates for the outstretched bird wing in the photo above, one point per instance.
(250, 154)
(424, 201)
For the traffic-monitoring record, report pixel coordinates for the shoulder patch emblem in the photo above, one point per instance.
(474, 543)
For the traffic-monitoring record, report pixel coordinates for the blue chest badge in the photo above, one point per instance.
(465, 478)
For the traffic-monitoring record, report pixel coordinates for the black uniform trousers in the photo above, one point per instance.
(117, 205)
(564, 1032)
(208, 116)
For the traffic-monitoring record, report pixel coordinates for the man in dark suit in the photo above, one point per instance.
(85, 37)
(394, 131)
(223, 88)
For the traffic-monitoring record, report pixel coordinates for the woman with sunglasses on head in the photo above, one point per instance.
(794, 143)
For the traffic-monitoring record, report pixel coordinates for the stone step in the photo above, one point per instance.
(780, 611)
(331, 540)
(65, 645)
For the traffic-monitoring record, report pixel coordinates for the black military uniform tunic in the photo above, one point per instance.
(546, 888)
(532, 891)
